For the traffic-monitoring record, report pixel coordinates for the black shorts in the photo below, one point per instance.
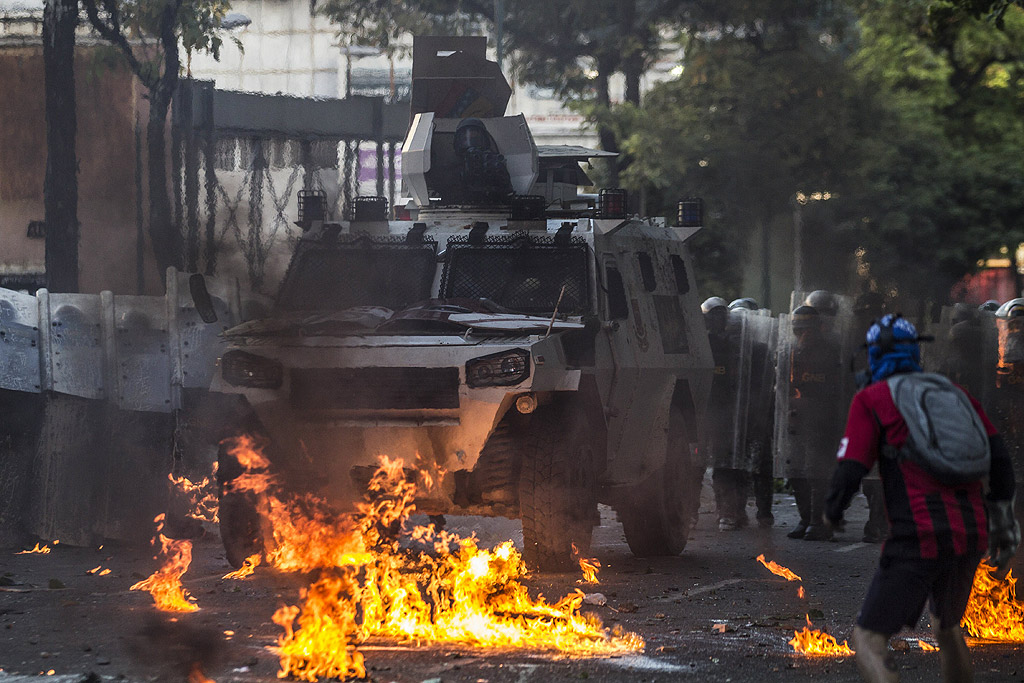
(901, 587)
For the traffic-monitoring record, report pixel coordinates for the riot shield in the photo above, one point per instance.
(743, 377)
(966, 349)
(813, 380)
(1008, 401)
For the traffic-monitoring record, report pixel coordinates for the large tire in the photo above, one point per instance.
(657, 514)
(558, 488)
(241, 528)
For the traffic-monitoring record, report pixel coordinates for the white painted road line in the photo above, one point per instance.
(852, 546)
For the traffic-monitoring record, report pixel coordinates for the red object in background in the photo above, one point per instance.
(992, 283)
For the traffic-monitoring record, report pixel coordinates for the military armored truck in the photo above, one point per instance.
(527, 351)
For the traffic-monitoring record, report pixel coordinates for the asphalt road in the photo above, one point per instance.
(712, 614)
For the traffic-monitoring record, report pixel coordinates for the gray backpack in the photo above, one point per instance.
(947, 438)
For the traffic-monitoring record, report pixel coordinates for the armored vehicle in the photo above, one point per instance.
(528, 352)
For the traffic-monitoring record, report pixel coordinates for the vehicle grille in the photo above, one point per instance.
(375, 388)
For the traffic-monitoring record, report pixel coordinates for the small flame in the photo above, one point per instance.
(818, 644)
(926, 646)
(98, 570)
(42, 549)
(800, 593)
(589, 569)
(165, 583)
(196, 675)
(247, 568)
(778, 569)
(993, 612)
(202, 496)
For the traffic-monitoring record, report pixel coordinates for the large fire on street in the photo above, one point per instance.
(377, 578)
(993, 612)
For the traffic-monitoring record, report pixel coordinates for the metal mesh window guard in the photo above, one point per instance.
(358, 271)
(521, 272)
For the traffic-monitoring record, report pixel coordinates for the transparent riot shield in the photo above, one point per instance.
(1008, 400)
(725, 426)
(965, 349)
(812, 388)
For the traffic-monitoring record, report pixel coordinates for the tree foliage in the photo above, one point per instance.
(149, 34)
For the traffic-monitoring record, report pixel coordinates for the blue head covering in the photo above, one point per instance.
(900, 352)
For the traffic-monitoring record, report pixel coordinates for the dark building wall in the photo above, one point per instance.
(108, 106)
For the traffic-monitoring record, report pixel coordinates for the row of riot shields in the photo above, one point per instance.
(784, 384)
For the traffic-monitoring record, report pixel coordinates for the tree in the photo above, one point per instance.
(60, 186)
(763, 110)
(946, 175)
(154, 58)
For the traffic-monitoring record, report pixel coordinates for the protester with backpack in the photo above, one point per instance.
(934, 445)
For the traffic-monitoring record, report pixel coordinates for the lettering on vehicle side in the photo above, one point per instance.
(812, 377)
(719, 369)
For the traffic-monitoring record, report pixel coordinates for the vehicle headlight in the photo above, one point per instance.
(249, 370)
(498, 369)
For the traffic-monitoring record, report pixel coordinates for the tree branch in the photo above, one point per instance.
(113, 35)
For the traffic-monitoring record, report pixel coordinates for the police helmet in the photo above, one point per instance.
(806, 318)
(822, 301)
(1012, 309)
(744, 303)
(711, 303)
(471, 133)
(990, 305)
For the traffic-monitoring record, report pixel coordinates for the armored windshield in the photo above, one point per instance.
(358, 271)
(521, 272)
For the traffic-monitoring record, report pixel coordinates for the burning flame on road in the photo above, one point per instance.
(43, 549)
(926, 646)
(993, 612)
(808, 642)
(778, 569)
(818, 644)
(379, 579)
(589, 569)
(247, 568)
(165, 583)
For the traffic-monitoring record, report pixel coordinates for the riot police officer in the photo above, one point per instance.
(1008, 404)
(759, 407)
(868, 307)
(813, 420)
(721, 445)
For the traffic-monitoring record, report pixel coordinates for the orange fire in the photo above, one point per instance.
(201, 495)
(800, 593)
(380, 579)
(993, 612)
(926, 646)
(43, 549)
(247, 568)
(589, 569)
(165, 583)
(818, 644)
(98, 570)
(196, 675)
(778, 569)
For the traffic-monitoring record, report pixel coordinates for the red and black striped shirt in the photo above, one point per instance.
(927, 518)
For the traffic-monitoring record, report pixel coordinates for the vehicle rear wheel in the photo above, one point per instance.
(656, 514)
(558, 488)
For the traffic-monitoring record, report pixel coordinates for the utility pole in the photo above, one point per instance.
(60, 185)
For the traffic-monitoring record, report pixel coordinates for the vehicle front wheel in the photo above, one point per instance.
(558, 488)
(240, 520)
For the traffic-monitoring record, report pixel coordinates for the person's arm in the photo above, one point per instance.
(1003, 529)
(857, 454)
